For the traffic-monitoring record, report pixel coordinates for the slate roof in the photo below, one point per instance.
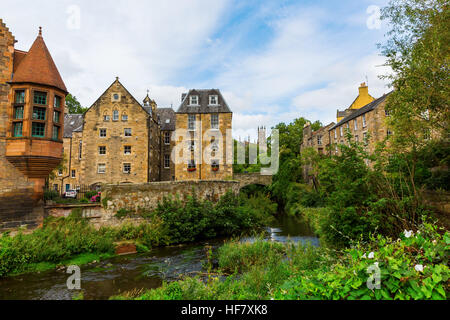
(361, 111)
(37, 66)
(72, 123)
(167, 118)
(203, 102)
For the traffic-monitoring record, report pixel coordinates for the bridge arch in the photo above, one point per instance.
(246, 179)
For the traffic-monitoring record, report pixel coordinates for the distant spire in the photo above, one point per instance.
(117, 78)
(40, 32)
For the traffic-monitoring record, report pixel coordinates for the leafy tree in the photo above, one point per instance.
(418, 53)
(73, 105)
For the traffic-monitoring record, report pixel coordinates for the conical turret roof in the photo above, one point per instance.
(38, 67)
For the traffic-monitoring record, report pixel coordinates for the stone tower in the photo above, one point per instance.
(262, 140)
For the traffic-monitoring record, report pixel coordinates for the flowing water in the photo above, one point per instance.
(104, 279)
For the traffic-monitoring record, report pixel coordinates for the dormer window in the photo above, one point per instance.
(213, 100)
(193, 100)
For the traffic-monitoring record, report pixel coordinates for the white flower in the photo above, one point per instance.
(408, 233)
(434, 241)
(376, 264)
(371, 255)
(364, 256)
(419, 267)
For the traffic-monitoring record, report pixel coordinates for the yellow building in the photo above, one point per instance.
(360, 101)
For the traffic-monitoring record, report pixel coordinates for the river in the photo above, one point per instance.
(106, 278)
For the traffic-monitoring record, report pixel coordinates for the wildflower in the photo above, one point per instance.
(364, 256)
(376, 264)
(371, 255)
(408, 234)
(434, 241)
(418, 268)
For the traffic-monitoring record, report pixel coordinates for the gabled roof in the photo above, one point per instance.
(37, 66)
(167, 118)
(204, 107)
(72, 123)
(361, 111)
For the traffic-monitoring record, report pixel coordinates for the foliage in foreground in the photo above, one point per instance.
(413, 267)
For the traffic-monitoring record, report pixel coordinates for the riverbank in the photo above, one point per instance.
(415, 266)
(72, 240)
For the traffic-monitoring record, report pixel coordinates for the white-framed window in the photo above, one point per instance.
(364, 120)
(102, 133)
(102, 150)
(213, 100)
(127, 150)
(101, 168)
(191, 122)
(167, 161)
(166, 137)
(215, 121)
(319, 140)
(341, 131)
(127, 168)
(73, 174)
(193, 100)
(124, 117)
(356, 124)
(80, 149)
(115, 115)
(127, 132)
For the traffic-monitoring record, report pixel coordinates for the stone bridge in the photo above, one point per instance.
(246, 179)
(147, 195)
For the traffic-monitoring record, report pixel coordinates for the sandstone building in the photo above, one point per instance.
(203, 143)
(32, 100)
(117, 141)
(364, 119)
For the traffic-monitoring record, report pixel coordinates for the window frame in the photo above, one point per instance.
(216, 115)
(57, 132)
(73, 174)
(125, 132)
(115, 112)
(15, 125)
(216, 98)
(166, 137)
(190, 121)
(100, 149)
(40, 124)
(167, 161)
(16, 108)
(104, 168)
(35, 96)
(57, 98)
(100, 130)
(16, 95)
(191, 99)
(38, 112)
(124, 165)
(125, 150)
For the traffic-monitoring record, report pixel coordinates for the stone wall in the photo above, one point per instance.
(246, 179)
(146, 196)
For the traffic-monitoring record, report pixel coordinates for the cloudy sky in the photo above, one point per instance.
(273, 60)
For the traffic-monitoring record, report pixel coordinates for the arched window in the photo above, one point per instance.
(105, 116)
(115, 115)
(124, 116)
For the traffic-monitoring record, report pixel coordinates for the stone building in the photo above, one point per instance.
(319, 139)
(167, 119)
(367, 124)
(32, 100)
(203, 141)
(117, 140)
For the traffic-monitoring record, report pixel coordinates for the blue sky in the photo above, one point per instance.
(273, 60)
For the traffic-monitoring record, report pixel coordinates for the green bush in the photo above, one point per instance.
(51, 194)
